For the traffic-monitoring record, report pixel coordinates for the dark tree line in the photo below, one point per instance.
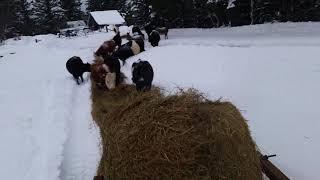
(189, 13)
(100, 5)
(285, 10)
(72, 9)
(6, 16)
(48, 16)
(216, 13)
(38, 16)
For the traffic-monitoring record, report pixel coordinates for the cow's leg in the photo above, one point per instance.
(78, 81)
(81, 78)
(147, 87)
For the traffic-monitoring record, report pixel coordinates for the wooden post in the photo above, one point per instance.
(271, 171)
(98, 178)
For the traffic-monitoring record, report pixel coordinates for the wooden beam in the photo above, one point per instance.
(270, 170)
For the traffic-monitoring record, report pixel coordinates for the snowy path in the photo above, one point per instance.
(46, 125)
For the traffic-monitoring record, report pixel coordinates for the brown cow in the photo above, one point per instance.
(107, 48)
(98, 74)
(105, 72)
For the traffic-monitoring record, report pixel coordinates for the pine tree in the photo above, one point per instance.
(111, 5)
(121, 6)
(239, 12)
(316, 10)
(274, 10)
(102, 5)
(138, 12)
(305, 10)
(202, 11)
(72, 9)
(210, 13)
(266, 11)
(171, 10)
(23, 22)
(188, 13)
(94, 5)
(49, 15)
(7, 8)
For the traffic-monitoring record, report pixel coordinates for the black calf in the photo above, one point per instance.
(76, 67)
(154, 38)
(142, 75)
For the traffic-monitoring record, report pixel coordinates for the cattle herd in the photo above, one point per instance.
(106, 69)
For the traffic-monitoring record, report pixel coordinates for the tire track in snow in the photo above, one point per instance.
(56, 111)
(70, 144)
(81, 152)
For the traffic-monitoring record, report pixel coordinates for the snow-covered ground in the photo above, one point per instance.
(270, 72)
(46, 129)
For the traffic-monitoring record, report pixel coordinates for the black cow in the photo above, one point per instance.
(153, 35)
(142, 75)
(117, 38)
(76, 67)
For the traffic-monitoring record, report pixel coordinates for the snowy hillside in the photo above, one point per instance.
(270, 72)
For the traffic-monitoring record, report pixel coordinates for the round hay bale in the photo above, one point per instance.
(184, 136)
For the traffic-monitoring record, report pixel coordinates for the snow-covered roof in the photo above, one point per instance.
(107, 17)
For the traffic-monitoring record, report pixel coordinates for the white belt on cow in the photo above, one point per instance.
(135, 48)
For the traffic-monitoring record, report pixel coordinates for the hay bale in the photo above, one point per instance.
(184, 136)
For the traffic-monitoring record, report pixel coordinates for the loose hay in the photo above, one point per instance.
(184, 136)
